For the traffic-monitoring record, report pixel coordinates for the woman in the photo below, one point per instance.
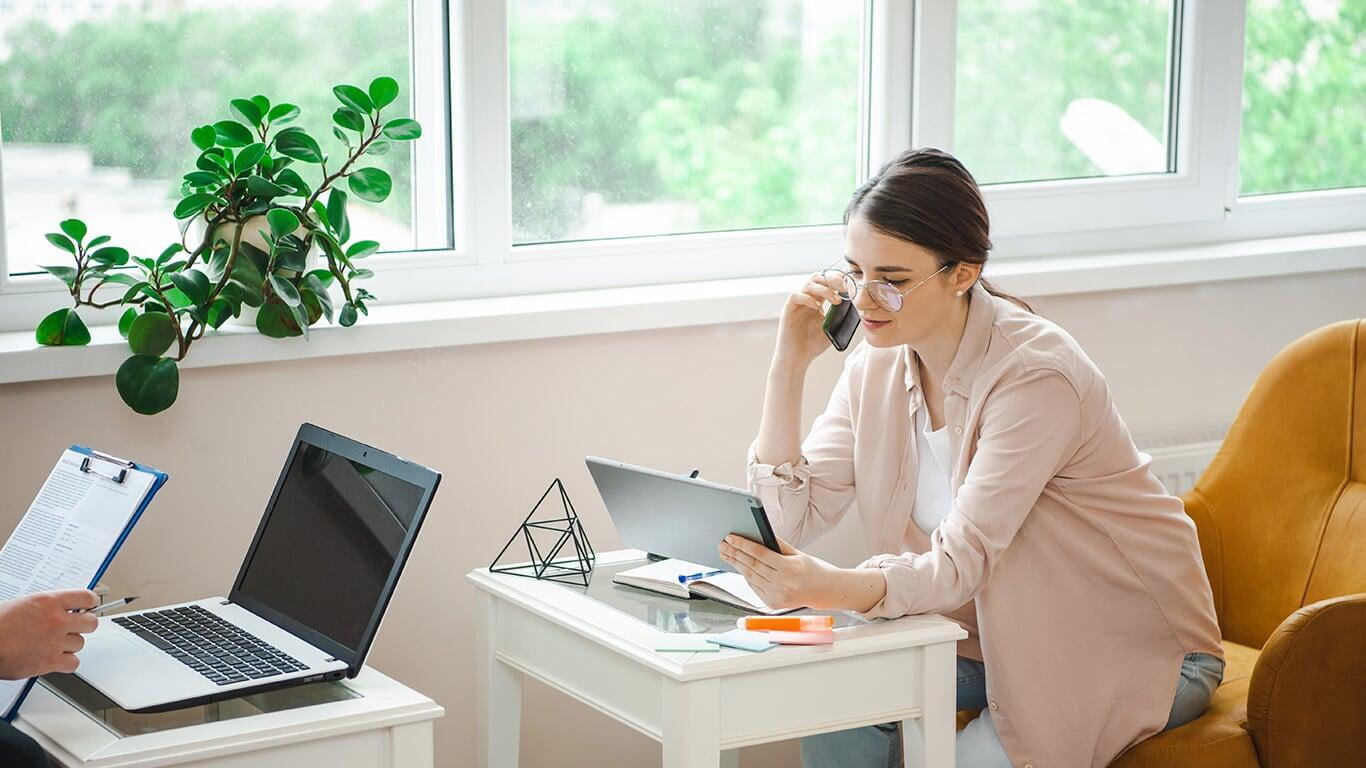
(995, 475)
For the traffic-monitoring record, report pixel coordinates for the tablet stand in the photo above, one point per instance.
(544, 541)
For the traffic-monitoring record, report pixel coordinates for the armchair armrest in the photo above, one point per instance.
(1306, 701)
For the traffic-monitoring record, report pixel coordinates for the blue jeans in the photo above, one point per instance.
(977, 746)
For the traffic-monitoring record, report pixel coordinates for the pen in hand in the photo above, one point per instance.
(109, 606)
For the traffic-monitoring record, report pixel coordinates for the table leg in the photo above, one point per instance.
(928, 742)
(498, 694)
(692, 724)
(410, 746)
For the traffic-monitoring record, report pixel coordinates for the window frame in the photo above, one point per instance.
(461, 81)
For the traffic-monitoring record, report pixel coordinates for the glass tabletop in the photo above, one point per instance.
(672, 614)
(122, 723)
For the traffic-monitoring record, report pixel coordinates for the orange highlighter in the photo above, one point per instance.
(787, 623)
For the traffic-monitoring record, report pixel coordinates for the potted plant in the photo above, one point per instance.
(255, 221)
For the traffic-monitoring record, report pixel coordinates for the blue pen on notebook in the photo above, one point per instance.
(696, 576)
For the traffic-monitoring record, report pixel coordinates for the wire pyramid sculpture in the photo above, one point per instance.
(555, 533)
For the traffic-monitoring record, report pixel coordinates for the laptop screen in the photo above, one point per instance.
(329, 545)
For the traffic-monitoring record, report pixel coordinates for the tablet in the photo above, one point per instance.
(676, 515)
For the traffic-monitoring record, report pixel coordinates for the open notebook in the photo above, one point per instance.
(728, 588)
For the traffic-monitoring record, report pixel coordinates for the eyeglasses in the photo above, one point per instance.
(882, 291)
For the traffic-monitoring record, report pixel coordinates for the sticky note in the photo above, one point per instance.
(679, 643)
(743, 639)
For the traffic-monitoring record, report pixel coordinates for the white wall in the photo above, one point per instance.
(502, 420)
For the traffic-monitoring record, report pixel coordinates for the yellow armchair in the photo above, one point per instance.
(1281, 514)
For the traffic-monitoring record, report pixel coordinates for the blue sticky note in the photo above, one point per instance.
(743, 639)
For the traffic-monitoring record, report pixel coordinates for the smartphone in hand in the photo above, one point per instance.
(841, 320)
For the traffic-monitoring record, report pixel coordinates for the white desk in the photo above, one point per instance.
(699, 705)
(386, 725)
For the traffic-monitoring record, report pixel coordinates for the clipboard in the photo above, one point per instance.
(114, 470)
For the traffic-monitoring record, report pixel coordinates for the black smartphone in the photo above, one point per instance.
(841, 320)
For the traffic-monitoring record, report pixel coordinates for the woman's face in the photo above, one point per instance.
(873, 255)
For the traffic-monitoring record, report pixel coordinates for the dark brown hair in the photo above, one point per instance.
(926, 197)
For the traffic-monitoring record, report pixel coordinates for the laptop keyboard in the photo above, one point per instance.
(216, 649)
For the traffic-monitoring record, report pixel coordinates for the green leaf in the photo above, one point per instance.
(371, 184)
(63, 328)
(203, 179)
(337, 216)
(282, 113)
(65, 274)
(303, 317)
(285, 290)
(289, 254)
(315, 292)
(138, 288)
(61, 241)
(249, 157)
(212, 160)
(74, 228)
(148, 384)
(282, 222)
(290, 179)
(383, 91)
(219, 313)
(362, 248)
(342, 137)
(348, 315)
(379, 148)
(97, 241)
(249, 113)
(112, 256)
(231, 133)
(171, 250)
(126, 321)
(193, 205)
(261, 102)
(121, 278)
(349, 118)
(277, 322)
(204, 136)
(151, 334)
(293, 142)
(192, 283)
(263, 187)
(403, 129)
(354, 98)
(360, 274)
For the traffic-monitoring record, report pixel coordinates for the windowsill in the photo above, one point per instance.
(518, 318)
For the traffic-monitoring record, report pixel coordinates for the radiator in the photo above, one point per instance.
(1179, 459)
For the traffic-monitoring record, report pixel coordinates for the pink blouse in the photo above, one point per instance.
(1077, 576)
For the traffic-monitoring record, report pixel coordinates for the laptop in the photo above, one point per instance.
(308, 598)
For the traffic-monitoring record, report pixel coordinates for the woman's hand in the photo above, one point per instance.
(791, 578)
(800, 338)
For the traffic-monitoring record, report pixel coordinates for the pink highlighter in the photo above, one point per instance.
(813, 637)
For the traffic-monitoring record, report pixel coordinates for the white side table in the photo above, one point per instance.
(370, 721)
(699, 705)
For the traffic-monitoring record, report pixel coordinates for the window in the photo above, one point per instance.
(1049, 89)
(97, 114)
(1304, 96)
(647, 117)
(580, 144)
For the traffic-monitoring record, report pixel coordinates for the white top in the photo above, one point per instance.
(932, 499)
